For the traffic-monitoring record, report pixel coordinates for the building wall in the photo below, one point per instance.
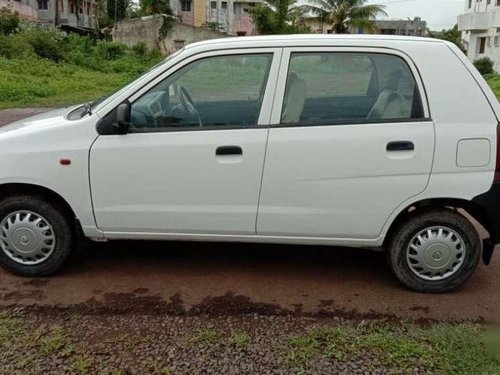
(29, 9)
(232, 16)
(199, 12)
(481, 20)
(145, 30)
(25, 9)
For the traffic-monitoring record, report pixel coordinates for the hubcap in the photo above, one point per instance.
(26, 237)
(435, 253)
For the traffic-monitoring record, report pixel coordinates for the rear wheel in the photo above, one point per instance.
(434, 250)
(36, 237)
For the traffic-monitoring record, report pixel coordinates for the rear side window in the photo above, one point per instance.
(343, 87)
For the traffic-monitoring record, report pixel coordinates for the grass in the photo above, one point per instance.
(494, 82)
(241, 339)
(203, 336)
(53, 341)
(40, 82)
(443, 348)
(10, 328)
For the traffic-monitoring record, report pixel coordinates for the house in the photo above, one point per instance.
(71, 16)
(229, 16)
(480, 26)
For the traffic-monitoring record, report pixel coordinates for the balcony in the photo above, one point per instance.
(475, 21)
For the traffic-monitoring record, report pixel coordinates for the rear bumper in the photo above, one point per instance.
(489, 216)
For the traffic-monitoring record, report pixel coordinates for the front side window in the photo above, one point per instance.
(343, 87)
(211, 92)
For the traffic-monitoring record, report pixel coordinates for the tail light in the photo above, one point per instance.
(497, 167)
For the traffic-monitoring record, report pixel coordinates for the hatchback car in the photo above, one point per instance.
(380, 142)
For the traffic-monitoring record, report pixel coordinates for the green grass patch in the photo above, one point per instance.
(443, 348)
(10, 328)
(204, 336)
(494, 82)
(241, 339)
(41, 82)
(53, 341)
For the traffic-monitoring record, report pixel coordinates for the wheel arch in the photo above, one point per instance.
(471, 208)
(10, 189)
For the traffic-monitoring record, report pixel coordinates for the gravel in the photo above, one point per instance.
(65, 342)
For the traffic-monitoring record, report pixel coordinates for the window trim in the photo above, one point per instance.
(263, 117)
(282, 79)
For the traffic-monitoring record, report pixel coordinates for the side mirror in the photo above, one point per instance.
(122, 118)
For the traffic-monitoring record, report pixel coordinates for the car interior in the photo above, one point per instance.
(391, 94)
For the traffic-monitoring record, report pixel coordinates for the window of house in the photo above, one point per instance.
(223, 5)
(488, 2)
(498, 2)
(186, 5)
(482, 45)
(43, 4)
(213, 5)
(179, 44)
(497, 41)
(470, 3)
(211, 92)
(332, 88)
(488, 41)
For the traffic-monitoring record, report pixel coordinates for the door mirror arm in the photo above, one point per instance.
(122, 123)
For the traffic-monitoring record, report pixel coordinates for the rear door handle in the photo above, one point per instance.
(400, 146)
(228, 150)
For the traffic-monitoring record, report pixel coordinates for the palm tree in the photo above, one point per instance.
(279, 17)
(342, 15)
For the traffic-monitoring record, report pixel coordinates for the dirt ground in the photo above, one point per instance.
(196, 277)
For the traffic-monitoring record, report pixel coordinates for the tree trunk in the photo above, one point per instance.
(56, 13)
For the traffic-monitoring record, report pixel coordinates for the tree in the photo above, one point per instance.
(117, 9)
(161, 7)
(452, 35)
(278, 17)
(343, 15)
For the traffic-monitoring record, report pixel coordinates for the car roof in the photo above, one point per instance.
(278, 40)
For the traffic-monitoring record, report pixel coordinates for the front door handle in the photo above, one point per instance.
(228, 150)
(400, 146)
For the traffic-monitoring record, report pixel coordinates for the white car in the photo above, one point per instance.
(362, 141)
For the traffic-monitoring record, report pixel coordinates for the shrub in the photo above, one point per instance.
(14, 46)
(48, 43)
(9, 21)
(484, 65)
(109, 50)
(140, 49)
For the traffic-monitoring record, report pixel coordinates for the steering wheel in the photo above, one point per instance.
(187, 102)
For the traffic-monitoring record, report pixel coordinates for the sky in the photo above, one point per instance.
(439, 14)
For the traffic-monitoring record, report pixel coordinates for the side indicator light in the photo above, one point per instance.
(65, 161)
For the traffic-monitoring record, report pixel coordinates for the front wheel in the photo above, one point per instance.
(36, 237)
(434, 251)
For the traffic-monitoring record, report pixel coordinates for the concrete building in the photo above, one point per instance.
(480, 26)
(145, 29)
(70, 15)
(409, 27)
(229, 16)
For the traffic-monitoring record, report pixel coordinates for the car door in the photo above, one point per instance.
(350, 140)
(192, 159)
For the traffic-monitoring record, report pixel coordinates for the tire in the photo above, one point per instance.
(461, 251)
(46, 237)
